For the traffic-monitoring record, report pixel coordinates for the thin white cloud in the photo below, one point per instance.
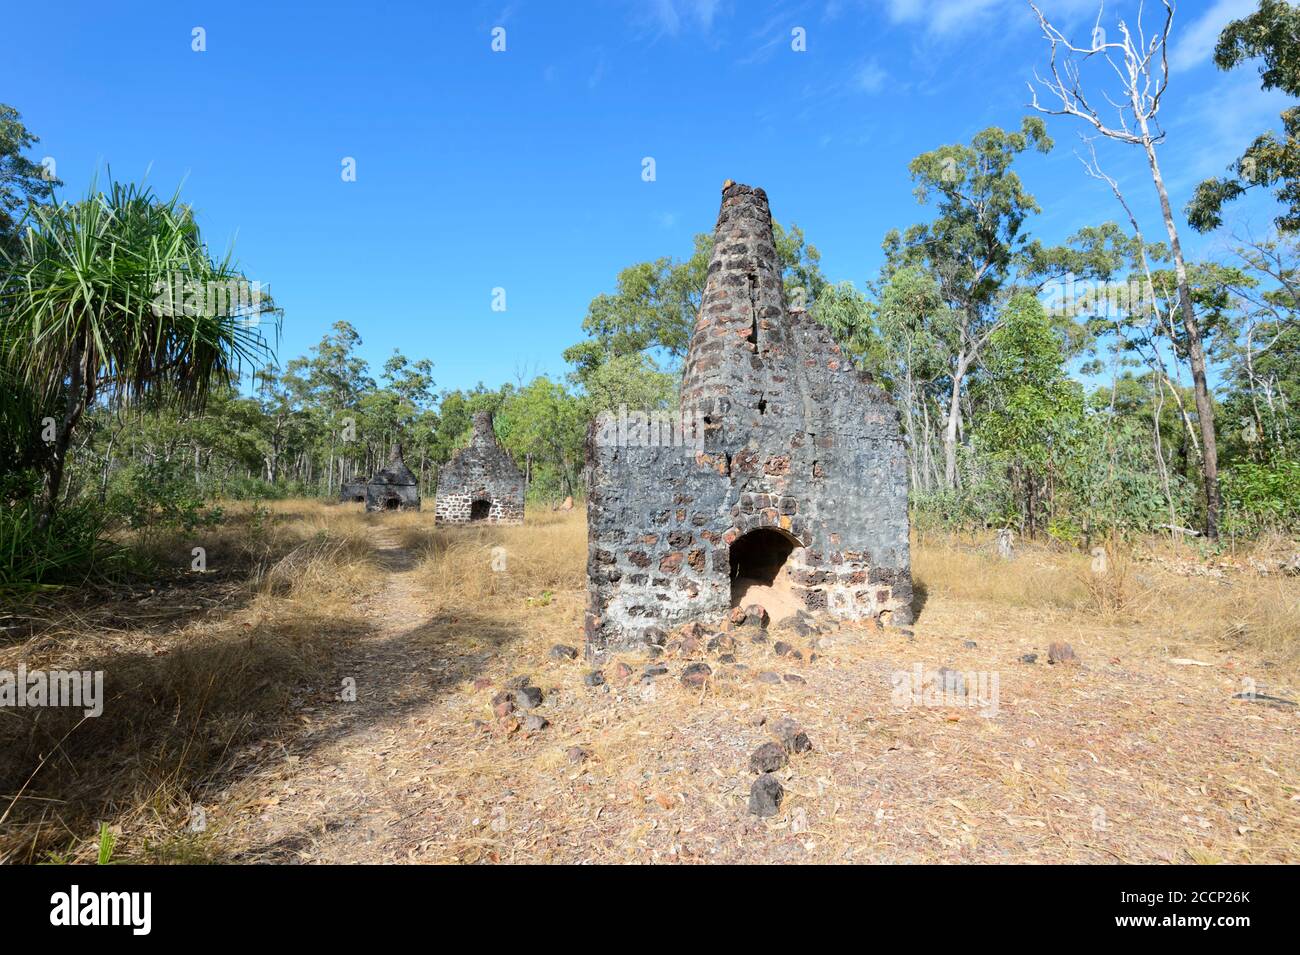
(669, 14)
(949, 18)
(870, 77)
(942, 16)
(1194, 43)
(598, 73)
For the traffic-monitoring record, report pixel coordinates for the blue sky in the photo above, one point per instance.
(522, 169)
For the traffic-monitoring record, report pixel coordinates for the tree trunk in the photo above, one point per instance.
(74, 405)
(1195, 349)
(951, 425)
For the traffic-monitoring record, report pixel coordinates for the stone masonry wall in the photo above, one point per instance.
(481, 471)
(794, 440)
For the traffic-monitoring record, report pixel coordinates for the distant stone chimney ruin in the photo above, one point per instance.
(792, 495)
(393, 488)
(480, 484)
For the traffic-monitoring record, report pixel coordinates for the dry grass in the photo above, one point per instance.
(515, 567)
(1130, 756)
(193, 666)
(1162, 593)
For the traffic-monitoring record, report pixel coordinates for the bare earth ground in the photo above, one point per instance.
(1129, 756)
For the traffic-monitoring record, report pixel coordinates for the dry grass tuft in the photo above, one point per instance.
(178, 696)
(1149, 588)
(523, 566)
(958, 568)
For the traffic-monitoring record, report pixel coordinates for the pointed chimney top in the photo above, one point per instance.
(742, 313)
(483, 433)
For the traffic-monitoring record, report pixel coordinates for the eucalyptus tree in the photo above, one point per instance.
(1270, 36)
(1132, 80)
(22, 180)
(971, 249)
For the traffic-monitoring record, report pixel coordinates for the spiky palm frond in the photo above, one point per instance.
(91, 289)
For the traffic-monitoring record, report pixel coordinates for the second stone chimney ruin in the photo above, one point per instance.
(480, 484)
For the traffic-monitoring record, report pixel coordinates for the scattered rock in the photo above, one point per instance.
(528, 697)
(482, 683)
(503, 704)
(654, 670)
(756, 616)
(562, 652)
(969, 644)
(518, 682)
(593, 678)
(781, 648)
(622, 671)
(696, 675)
(722, 643)
(791, 735)
(759, 636)
(727, 658)
(795, 678)
(1029, 658)
(534, 723)
(690, 646)
(576, 755)
(1060, 652)
(765, 796)
(767, 758)
(767, 676)
(799, 624)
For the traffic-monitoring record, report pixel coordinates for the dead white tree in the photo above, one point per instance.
(1141, 67)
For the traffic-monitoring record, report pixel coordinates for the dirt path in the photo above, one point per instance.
(332, 796)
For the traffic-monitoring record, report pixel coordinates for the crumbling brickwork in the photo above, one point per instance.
(393, 488)
(800, 460)
(480, 483)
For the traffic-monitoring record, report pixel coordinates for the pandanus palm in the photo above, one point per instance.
(90, 313)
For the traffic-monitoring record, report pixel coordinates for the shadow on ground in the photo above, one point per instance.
(183, 723)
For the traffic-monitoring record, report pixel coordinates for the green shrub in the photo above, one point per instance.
(1259, 497)
(70, 550)
(161, 494)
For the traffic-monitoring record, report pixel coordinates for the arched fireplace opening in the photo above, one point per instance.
(757, 561)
